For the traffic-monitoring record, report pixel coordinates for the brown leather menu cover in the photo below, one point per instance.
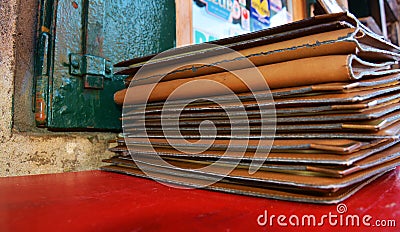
(339, 146)
(322, 35)
(306, 71)
(289, 171)
(382, 82)
(316, 154)
(274, 191)
(309, 26)
(258, 191)
(297, 58)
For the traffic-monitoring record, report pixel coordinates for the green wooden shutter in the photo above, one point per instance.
(78, 43)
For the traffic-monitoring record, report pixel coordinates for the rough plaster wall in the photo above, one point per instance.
(24, 53)
(30, 154)
(23, 153)
(7, 43)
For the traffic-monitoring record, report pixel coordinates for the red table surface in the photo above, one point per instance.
(102, 201)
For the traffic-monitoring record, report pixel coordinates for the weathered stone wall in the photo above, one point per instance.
(23, 148)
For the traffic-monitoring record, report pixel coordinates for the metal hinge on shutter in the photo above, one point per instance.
(93, 69)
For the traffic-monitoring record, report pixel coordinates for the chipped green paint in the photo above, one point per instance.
(114, 29)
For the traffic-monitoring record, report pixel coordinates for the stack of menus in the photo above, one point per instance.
(307, 111)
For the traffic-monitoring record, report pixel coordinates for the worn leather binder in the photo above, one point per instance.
(333, 34)
(332, 114)
(314, 154)
(274, 192)
(290, 98)
(312, 178)
(338, 146)
(297, 59)
(306, 71)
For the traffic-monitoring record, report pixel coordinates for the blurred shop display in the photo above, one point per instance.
(217, 19)
(381, 16)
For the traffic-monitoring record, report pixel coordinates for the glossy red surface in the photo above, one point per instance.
(101, 201)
